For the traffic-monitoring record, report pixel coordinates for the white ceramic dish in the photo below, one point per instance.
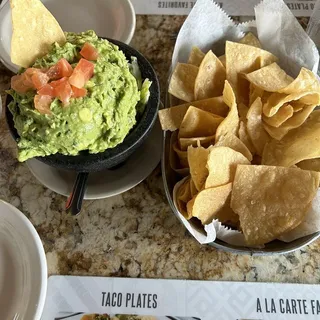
(108, 18)
(105, 183)
(23, 266)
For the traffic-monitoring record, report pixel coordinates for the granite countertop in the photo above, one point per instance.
(135, 234)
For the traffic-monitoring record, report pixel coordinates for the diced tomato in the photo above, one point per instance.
(28, 77)
(54, 84)
(78, 93)
(61, 69)
(30, 71)
(82, 73)
(63, 91)
(89, 52)
(46, 90)
(66, 68)
(53, 73)
(17, 84)
(42, 104)
(26, 81)
(39, 79)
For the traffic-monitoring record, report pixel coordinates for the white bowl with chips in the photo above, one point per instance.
(108, 18)
(171, 178)
(268, 207)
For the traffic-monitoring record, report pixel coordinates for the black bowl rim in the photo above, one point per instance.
(113, 155)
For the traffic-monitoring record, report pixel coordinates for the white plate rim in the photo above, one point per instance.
(40, 251)
(156, 132)
(86, 197)
(134, 22)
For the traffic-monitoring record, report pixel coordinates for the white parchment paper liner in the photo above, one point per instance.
(208, 27)
(214, 230)
(313, 29)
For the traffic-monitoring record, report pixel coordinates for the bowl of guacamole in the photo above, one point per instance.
(84, 106)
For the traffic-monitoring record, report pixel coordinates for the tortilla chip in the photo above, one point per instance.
(251, 40)
(310, 164)
(197, 159)
(171, 118)
(222, 163)
(199, 141)
(265, 96)
(255, 128)
(233, 142)
(283, 114)
(277, 100)
(270, 78)
(299, 144)
(174, 159)
(182, 81)
(210, 79)
(308, 226)
(227, 216)
(306, 81)
(198, 123)
(185, 194)
(294, 122)
(182, 155)
(208, 202)
(231, 123)
(256, 160)
(34, 31)
(183, 197)
(271, 200)
(223, 60)
(255, 93)
(242, 111)
(242, 58)
(297, 106)
(196, 56)
(193, 188)
(244, 137)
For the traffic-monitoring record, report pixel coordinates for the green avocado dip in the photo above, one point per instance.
(115, 96)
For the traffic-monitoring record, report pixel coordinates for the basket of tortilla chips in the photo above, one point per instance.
(241, 162)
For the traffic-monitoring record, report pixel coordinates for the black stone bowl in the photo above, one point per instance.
(113, 157)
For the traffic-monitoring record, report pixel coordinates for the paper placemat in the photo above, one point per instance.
(72, 298)
(302, 8)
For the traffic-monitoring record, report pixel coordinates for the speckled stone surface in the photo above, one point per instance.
(135, 234)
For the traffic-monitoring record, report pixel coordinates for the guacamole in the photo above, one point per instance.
(115, 95)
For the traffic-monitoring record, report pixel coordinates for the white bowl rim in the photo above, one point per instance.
(41, 252)
(126, 38)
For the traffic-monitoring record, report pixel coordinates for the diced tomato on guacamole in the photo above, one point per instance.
(42, 104)
(62, 69)
(31, 79)
(39, 79)
(65, 82)
(17, 84)
(78, 93)
(89, 52)
(81, 73)
(46, 90)
(63, 90)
